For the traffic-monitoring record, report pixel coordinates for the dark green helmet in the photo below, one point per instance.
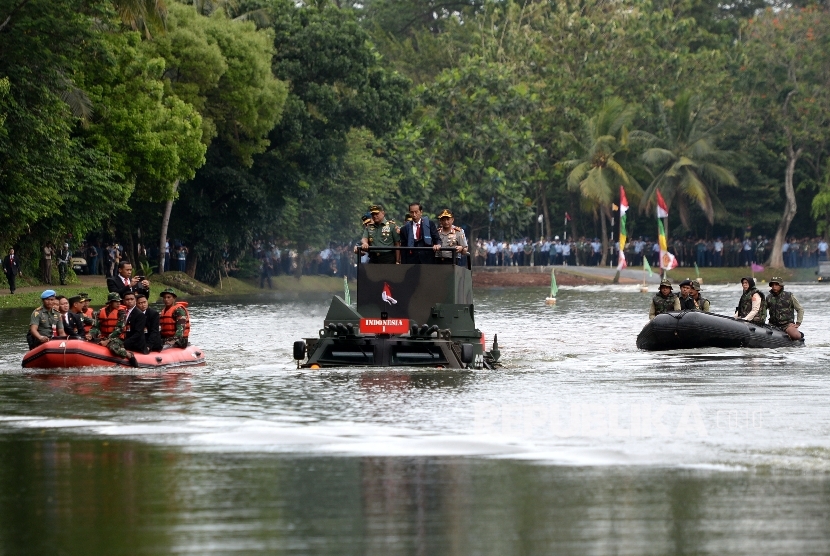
(776, 280)
(665, 282)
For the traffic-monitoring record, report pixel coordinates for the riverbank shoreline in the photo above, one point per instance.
(483, 278)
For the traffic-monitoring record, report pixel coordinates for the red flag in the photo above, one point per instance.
(662, 208)
(567, 217)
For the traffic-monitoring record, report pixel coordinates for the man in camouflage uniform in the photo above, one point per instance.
(664, 302)
(785, 311)
(180, 317)
(381, 233)
(114, 341)
(43, 319)
(701, 303)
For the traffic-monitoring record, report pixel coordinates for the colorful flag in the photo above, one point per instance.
(647, 266)
(667, 260)
(662, 207)
(623, 234)
(757, 268)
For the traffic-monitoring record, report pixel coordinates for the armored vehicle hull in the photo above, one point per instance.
(411, 315)
(696, 329)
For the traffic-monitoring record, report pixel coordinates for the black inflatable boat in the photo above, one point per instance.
(696, 329)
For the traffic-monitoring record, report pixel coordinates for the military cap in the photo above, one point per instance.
(408, 217)
(113, 296)
(665, 282)
(75, 299)
(686, 282)
(776, 280)
(376, 208)
(171, 291)
(367, 217)
(446, 213)
(47, 294)
(696, 285)
(84, 296)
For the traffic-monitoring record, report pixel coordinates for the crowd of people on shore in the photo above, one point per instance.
(716, 252)
(782, 308)
(126, 324)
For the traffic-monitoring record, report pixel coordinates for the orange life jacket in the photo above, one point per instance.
(90, 314)
(107, 321)
(167, 324)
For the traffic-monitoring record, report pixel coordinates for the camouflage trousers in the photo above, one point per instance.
(116, 347)
(174, 342)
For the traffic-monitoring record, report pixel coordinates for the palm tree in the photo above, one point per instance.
(142, 15)
(688, 166)
(598, 170)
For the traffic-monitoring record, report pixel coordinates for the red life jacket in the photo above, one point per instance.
(107, 322)
(89, 313)
(167, 324)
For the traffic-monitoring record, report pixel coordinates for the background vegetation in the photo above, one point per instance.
(236, 120)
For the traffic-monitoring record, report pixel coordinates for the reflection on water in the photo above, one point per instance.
(582, 444)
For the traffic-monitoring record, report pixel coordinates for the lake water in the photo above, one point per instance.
(581, 445)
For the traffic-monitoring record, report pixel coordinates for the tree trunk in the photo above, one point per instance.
(604, 236)
(165, 221)
(776, 258)
(190, 265)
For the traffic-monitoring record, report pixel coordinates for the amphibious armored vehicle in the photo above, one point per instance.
(408, 315)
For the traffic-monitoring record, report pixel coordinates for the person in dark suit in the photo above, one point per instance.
(124, 282)
(152, 334)
(83, 323)
(405, 238)
(134, 328)
(420, 232)
(73, 326)
(11, 267)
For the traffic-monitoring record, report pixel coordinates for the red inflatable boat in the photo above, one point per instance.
(77, 353)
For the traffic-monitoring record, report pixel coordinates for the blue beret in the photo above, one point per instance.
(47, 294)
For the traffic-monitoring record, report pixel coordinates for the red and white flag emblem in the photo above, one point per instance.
(387, 295)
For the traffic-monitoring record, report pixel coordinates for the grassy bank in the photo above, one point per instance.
(730, 275)
(28, 296)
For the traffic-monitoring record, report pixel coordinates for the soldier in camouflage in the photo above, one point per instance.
(785, 311)
(664, 301)
(45, 321)
(178, 316)
(114, 341)
(381, 233)
(701, 303)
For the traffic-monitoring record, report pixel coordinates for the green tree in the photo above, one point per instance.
(338, 84)
(786, 82)
(471, 148)
(602, 162)
(688, 166)
(44, 165)
(223, 68)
